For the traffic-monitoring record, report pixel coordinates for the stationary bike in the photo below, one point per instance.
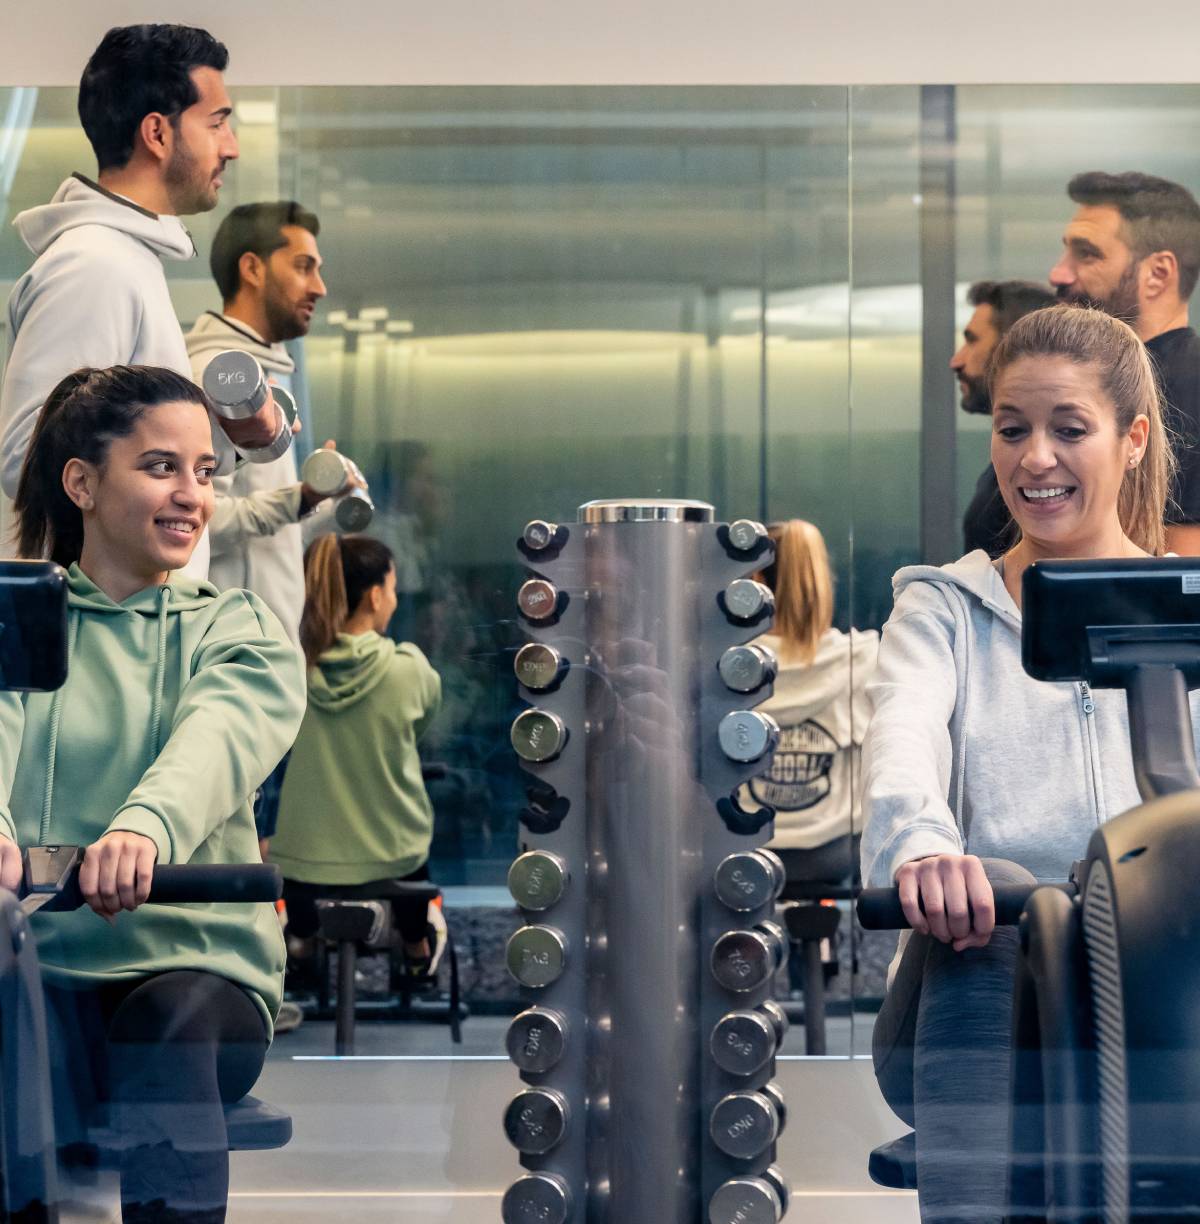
(1106, 1083)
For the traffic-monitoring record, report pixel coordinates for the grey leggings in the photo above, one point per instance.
(943, 1050)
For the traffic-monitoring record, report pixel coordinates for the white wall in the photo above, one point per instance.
(712, 42)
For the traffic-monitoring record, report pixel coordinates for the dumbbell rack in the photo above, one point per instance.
(648, 955)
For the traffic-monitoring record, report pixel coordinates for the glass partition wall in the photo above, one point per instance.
(542, 296)
(538, 297)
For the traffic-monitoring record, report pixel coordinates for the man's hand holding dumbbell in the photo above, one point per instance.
(311, 497)
(258, 418)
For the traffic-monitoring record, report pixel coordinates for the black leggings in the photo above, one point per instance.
(164, 1054)
(301, 897)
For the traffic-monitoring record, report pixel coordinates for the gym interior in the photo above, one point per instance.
(674, 278)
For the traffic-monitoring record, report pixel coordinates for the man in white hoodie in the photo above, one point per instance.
(268, 270)
(153, 103)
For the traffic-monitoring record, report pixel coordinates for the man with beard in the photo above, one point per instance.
(998, 305)
(153, 104)
(1133, 249)
(268, 271)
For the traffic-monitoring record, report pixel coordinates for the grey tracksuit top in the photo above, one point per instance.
(965, 753)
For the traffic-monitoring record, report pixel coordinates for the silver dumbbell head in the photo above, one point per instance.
(778, 939)
(745, 881)
(538, 735)
(743, 961)
(326, 472)
(539, 534)
(747, 735)
(536, 955)
(537, 879)
(538, 599)
(354, 511)
(744, 534)
(744, 1124)
(742, 1042)
(745, 598)
(746, 668)
(745, 1200)
(774, 1094)
(537, 665)
(537, 1198)
(536, 1120)
(777, 867)
(778, 1018)
(775, 1175)
(536, 1039)
(234, 382)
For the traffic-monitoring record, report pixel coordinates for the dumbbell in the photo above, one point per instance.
(749, 879)
(238, 388)
(743, 961)
(746, 1123)
(743, 1042)
(329, 474)
(761, 1199)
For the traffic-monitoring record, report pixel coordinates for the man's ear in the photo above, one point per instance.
(1160, 274)
(157, 135)
(252, 270)
(79, 483)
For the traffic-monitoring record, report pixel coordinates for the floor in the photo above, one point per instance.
(405, 1132)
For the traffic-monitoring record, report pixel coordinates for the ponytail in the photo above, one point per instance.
(338, 572)
(803, 584)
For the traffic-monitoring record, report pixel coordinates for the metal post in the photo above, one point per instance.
(634, 952)
(941, 537)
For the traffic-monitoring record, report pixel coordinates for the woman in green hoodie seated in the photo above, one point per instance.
(178, 702)
(354, 808)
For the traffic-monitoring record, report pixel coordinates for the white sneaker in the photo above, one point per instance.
(290, 1017)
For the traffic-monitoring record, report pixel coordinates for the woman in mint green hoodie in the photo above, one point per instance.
(179, 701)
(354, 807)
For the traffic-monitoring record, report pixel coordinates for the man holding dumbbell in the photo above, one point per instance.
(153, 103)
(268, 269)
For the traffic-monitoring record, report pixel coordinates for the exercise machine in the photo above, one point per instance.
(1106, 1108)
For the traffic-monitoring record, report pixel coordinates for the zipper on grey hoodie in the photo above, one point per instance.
(1089, 729)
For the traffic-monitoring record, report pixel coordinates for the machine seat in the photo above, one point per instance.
(256, 1126)
(895, 1164)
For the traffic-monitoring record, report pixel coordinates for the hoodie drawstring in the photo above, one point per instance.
(164, 598)
(160, 667)
(52, 750)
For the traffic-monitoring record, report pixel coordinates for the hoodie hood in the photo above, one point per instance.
(184, 594)
(349, 670)
(213, 333)
(975, 574)
(79, 202)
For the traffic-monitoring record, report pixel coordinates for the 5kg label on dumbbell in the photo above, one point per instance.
(227, 378)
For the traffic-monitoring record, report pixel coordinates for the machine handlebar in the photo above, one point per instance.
(233, 882)
(51, 881)
(879, 908)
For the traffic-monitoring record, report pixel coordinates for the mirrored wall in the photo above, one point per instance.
(538, 297)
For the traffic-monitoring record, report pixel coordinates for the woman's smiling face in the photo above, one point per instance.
(1059, 455)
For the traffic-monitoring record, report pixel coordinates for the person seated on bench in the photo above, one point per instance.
(354, 807)
(974, 773)
(179, 701)
(820, 704)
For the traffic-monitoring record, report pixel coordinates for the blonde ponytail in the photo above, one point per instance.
(803, 586)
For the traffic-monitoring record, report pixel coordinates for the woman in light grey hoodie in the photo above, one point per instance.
(973, 772)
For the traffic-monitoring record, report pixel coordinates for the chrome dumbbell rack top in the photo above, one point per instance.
(627, 823)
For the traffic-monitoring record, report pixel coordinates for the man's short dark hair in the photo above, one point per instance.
(1159, 216)
(1010, 300)
(257, 228)
(138, 70)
